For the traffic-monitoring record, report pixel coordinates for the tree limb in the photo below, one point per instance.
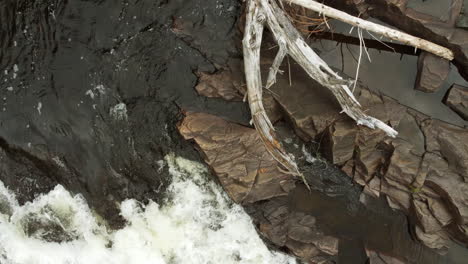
(316, 68)
(291, 42)
(370, 26)
(255, 20)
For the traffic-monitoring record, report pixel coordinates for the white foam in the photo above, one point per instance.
(198, 224)
(119, 111)
(39, 107)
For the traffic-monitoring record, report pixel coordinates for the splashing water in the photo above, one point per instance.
(197, 224)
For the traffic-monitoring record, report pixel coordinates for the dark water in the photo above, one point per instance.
(91, 92)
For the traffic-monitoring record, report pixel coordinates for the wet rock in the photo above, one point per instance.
(310, 108)
(428, 222)
(302, 228)
(462, 20)
(342, 137)
(457, 100)
(250, 175)
(378, 258)
(308, 224)
(432, 72)
(237, 155)
(437, 240)
(220, 84)
(5, 207)
(53, 228)
(422, 171)
(229, 84)
(297, 231)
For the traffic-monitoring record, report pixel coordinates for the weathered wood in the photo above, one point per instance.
(251, 43)
(291, 42)
(282, 52)
(316, 68)
(370, 26)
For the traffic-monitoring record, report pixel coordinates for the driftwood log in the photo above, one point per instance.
(291, 42)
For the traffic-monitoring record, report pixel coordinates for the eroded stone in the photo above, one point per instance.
(432, 72)
(457, 100)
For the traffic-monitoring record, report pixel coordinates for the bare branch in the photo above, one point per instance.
(276, 64)
(283, 30)
(251, 47)
(370, 26)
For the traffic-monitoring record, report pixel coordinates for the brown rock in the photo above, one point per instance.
(249, 174)
(237, 155)
(451, 142)
(373, 188)
(341, 141)
(229, 85)
(297, 231)
(457, 100)
(310, 108)
(427, 221)
(304, 251)
(422, 172)
(398, 196)
(275, 228)
(378, 258)
(221, 84)
(405, 163)
(440, 210)
(432, 72)
(437, 240)
(302, 228)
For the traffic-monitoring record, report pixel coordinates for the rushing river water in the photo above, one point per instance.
(90, 96)
(196, 224)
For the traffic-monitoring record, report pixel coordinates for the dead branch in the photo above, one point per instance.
(379, 29)
(251, 43)
(291, 42)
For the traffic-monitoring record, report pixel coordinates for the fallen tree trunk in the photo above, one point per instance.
(290, 41)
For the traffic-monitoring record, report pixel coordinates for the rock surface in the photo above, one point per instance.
(313, 225)
(408, 170)
(457, 100)
(423, 171)
(222, 85)
(419, 22)
(249, 174)
(238, 156)
(432, 72)
(376, 258)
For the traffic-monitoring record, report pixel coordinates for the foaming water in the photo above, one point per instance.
(197, 224)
